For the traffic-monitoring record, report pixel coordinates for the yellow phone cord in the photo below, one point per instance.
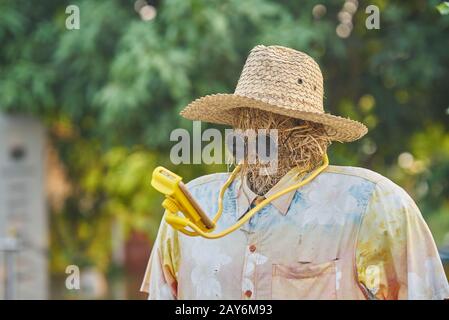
(198, 232)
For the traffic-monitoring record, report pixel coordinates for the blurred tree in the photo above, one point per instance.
(111, 91)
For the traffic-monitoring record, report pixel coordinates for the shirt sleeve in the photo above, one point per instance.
(160, 279)
(396, 255)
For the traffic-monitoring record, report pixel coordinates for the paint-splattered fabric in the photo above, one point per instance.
(349, 234)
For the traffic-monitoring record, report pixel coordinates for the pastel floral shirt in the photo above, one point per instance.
(349, 234)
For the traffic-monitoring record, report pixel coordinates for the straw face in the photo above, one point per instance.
(279, 80)
(300, 144)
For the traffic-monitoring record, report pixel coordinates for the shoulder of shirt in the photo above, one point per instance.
(385, 191)
(382, 184)
(208, 179)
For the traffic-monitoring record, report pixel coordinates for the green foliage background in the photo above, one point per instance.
(110, 94)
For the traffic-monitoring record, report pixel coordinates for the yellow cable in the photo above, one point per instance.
(198, 232)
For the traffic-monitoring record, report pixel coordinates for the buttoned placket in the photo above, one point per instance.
(249, 281)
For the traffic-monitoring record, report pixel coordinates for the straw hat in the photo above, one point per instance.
(279, 80)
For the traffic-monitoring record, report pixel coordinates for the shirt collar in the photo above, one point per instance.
(245, 196)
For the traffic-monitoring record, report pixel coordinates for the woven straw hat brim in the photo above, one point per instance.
(221, 109)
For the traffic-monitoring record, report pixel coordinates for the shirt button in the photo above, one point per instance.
(252, 248)
(248, 293)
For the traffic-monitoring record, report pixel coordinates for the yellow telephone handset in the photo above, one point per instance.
(178, 199)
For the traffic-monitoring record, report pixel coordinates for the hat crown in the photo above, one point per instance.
(282, 76)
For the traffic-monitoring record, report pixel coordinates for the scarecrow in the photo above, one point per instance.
(349, 233)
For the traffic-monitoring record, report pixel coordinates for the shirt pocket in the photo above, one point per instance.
(301, 281)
